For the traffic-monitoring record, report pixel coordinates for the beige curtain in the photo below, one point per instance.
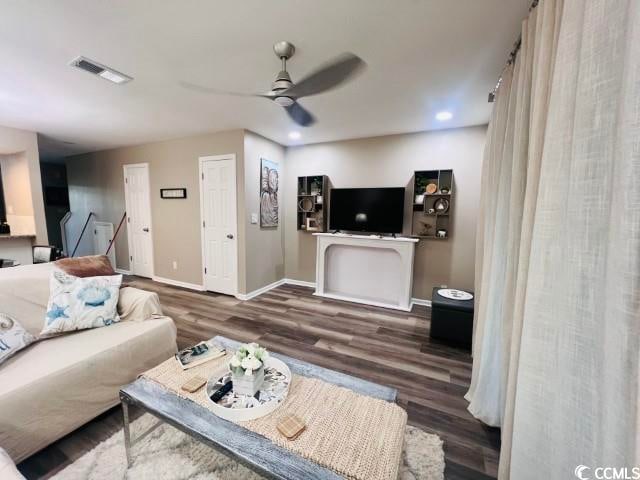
(509, 192)
(558, 249)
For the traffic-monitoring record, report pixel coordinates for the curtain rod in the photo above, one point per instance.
(510, 60)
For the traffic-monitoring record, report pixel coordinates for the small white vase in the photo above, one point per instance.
(419, 200)
(248, 384)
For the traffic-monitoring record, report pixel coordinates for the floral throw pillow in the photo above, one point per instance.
(79, 303)
(13, 337)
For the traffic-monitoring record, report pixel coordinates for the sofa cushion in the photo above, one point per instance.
(138, 305)
(13, 337)
(89, 266)
(24, 293)
(80, 303)
(54, 386)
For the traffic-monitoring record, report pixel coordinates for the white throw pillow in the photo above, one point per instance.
(13, 337)
(79, 303)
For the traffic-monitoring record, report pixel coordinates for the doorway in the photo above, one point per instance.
(218, 211)
(138, 205)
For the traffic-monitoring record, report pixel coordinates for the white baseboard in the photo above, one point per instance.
(259, 291)
(302, 283)
(364, 302)
(122, 271)
(299, 283)
(177, 283)
(421, 301)
(266, 288)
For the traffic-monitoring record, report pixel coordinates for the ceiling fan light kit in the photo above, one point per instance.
(285, 93)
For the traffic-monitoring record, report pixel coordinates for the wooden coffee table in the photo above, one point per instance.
(245, 446)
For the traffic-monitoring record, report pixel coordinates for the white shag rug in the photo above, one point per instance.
(168, 454)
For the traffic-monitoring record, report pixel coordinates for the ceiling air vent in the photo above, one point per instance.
(103, 71)
(89, 67)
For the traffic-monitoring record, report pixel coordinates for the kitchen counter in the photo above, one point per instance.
(10, 236)
(17, 247)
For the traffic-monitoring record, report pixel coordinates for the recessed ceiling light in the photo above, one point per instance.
(294, 135)
(444, 116)
(114, 77)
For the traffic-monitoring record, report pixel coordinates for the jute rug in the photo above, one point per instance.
(168, 454)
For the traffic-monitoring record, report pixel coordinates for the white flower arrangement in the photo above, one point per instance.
(248, 359)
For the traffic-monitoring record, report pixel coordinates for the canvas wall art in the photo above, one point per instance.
(269, 179)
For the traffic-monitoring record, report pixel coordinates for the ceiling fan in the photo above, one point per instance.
(286, 93)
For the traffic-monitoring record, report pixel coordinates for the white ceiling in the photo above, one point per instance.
(423, 56)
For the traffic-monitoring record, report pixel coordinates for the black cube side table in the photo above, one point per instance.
(451, 320)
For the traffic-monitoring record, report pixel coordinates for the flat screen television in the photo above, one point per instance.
(374, 210)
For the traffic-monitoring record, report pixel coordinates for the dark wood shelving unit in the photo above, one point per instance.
(312, 203)
(425, 223)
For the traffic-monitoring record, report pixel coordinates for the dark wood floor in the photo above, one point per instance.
(385, 346)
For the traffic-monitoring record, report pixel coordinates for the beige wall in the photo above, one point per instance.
(17, 184)
(96, 183)
(264, 246)
(267, 255)
(19, 149)
(390, 162)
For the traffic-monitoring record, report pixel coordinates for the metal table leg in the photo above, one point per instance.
(128, 442)
(127, 432)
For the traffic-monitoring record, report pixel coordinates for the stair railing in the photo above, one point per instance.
(86, 223)
(115, 235)
(63, 231)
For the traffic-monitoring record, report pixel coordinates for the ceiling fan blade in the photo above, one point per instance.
(300, 115)
(202, 89)
(328, 76)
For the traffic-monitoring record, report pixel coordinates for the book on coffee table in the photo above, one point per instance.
(199, 354)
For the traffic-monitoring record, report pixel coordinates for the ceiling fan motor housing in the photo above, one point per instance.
(282, 83)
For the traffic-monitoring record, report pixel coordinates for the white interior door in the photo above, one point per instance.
(138, 204)
(102, 235)
(219, 223)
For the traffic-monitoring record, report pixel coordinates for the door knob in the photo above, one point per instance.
(145, 229)
(229, 236)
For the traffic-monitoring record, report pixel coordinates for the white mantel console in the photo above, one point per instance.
(365, 269)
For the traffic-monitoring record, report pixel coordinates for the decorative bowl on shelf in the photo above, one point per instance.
(306, 204)
(441, 205)
(432, 188)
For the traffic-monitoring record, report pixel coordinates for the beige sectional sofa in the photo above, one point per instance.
(8, 470)
(55, 385)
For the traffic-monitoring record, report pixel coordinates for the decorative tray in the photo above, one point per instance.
(274, 390)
